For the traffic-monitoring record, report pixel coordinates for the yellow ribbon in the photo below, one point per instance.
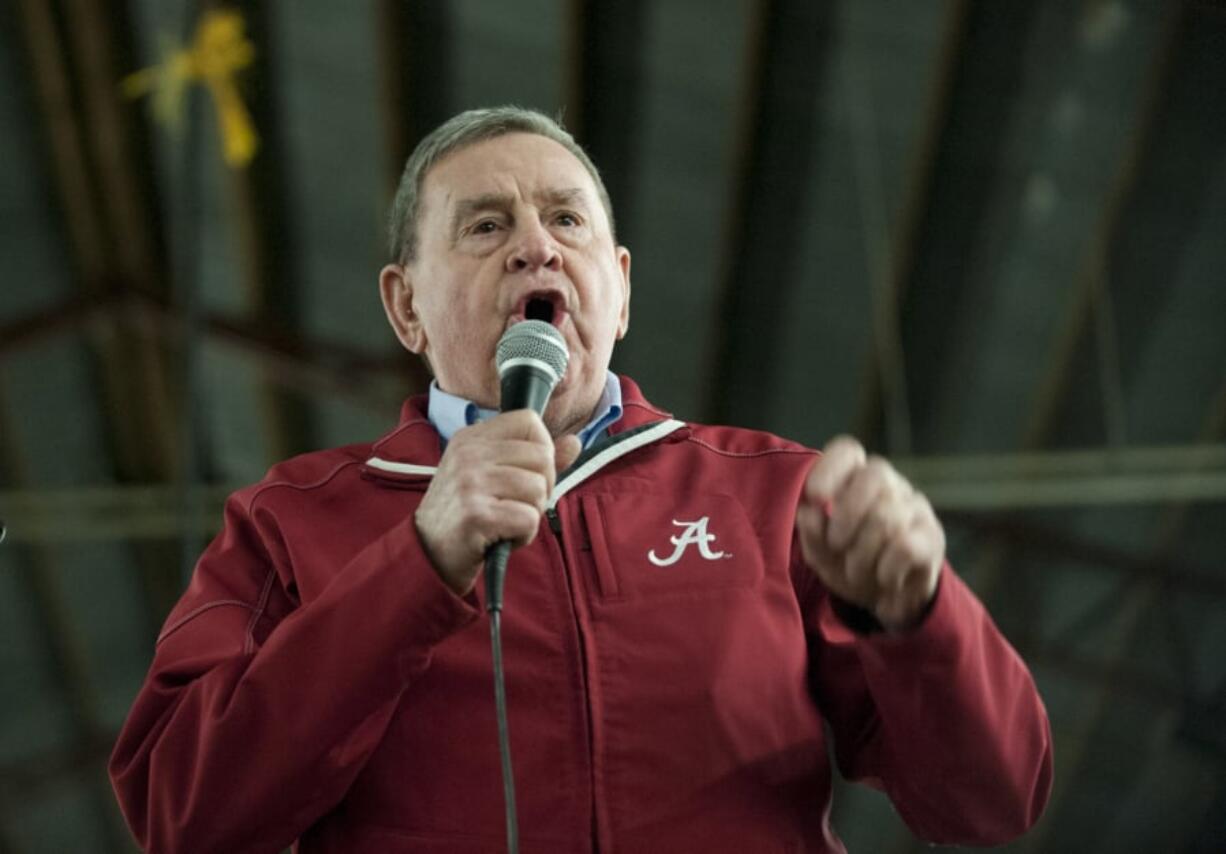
(218, 52)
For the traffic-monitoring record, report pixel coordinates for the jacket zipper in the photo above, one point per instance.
(555, 525)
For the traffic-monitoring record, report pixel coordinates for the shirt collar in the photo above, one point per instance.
(449, 413)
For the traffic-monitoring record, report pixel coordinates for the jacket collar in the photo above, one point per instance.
(415, 442)
(415, 447)
(636, 409)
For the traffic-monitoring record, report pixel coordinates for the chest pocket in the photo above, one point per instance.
(654, 547)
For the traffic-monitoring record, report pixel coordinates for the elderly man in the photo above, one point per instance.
(685, 607)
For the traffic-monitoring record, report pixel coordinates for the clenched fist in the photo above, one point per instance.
(492, 484)
(869, 536)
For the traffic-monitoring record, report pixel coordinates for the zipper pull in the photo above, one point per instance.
(555, 521)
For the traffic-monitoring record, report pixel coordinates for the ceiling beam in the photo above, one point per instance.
(264, 230)
(1137, 597)
(415, 56)
(950, 229)
(884, 411)
(53, 92)
(135, 385)
(1007, 481)
(40, 574)
(604, 96)
(74, 56)
(1054, 395)
(984, 94)
(1055, 388)
(138, 405)
(312, 367)
(1026, 538)
(790, 46)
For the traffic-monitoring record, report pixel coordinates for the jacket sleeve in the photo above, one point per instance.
(944, 718)
(257, 714)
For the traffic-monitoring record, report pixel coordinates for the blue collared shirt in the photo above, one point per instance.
(449, 413)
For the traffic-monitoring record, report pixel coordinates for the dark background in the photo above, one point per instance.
(987, 237)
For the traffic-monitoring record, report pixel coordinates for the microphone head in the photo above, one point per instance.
(536, 344)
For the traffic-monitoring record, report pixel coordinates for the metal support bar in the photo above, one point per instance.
(789, 43)
(884, 394)
(605, 90)
(75, 51)
(1071, 478)
(264, 228)
(374, 380)
(972, 483)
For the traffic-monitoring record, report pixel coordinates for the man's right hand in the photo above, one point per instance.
(492, 484)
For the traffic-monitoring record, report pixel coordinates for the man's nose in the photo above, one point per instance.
(534, 249)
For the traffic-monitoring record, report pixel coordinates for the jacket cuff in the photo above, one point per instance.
(860, 621)
(843, 622)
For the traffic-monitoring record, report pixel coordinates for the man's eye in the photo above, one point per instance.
(486, 226)
(567, 219)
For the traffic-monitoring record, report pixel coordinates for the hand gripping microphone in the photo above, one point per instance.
(531, 361)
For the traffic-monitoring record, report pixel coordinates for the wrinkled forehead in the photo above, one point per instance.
(521, 165)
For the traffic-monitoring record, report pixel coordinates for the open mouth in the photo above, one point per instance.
(546, 305)
(539, 309)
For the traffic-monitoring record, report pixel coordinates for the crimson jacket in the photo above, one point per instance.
(669, 661)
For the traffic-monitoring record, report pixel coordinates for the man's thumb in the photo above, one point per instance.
(565, 451)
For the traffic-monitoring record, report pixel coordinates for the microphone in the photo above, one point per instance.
(531, 360)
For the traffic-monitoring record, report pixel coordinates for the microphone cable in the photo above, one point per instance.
(531, 359)
(495, 574)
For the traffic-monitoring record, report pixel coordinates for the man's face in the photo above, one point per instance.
(510, 229)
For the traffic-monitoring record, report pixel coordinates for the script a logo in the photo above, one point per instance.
(695, 533)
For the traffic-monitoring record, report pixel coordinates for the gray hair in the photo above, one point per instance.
(469, 128)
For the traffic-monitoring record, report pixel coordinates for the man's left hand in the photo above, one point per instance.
(869, 536)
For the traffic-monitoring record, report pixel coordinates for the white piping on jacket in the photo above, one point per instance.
(400, 468)
(573, 478)
(609, 454)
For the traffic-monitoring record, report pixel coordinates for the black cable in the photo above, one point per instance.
(495, 573)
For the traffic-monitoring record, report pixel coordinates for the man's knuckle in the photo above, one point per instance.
(879, 467)
(859, 559)
(473, 518)
(542, 456)
(527, 518)
(469, 482)
(916, 550)
(844, 443)
(538, 491)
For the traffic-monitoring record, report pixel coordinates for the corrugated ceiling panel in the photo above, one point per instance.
(854, 201)
(1072, 124)
(34, 717)
(327, 67)
(62, 818)
(510, 53)
(329, 88)
(693, 72)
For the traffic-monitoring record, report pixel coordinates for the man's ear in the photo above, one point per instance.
(623, 265)
(396, 290)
